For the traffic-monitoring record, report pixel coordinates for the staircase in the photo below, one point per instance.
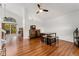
(2, 43)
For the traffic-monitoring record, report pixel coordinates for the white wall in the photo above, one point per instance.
(31, 20)
(63, 25)
(11, 14)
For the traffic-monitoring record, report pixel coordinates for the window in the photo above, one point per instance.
(9, 19)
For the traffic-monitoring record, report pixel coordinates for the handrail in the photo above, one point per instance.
(2, 30)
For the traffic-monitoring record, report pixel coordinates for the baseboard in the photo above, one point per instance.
(66, 40)
(25, 37)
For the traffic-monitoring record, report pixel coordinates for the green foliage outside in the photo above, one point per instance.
(7, 27)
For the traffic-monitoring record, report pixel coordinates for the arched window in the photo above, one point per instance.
(9, 25)
(9, 19)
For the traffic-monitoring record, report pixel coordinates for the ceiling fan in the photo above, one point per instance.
(41, 9)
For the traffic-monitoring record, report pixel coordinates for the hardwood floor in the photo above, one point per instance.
(35, 47)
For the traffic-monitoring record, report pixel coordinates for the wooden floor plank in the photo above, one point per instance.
(35, 47)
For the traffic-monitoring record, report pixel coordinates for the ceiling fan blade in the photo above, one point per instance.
(45, 10)
(37, 12)
(38, 6)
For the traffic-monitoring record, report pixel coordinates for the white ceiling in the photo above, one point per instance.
(55, 9)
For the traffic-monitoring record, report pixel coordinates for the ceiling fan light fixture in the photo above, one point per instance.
(40, 10)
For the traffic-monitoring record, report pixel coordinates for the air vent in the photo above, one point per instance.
(0, 5)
